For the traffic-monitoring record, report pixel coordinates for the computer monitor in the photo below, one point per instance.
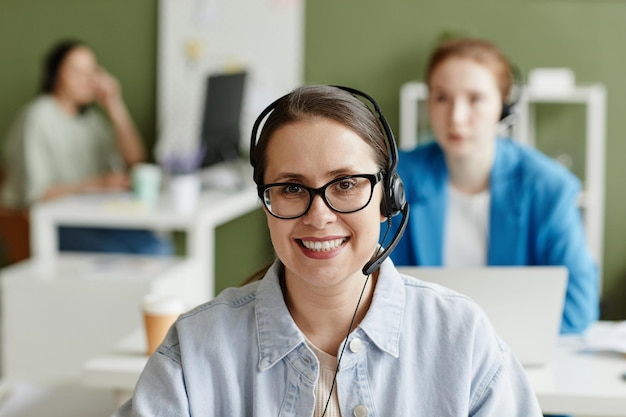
(221, 131)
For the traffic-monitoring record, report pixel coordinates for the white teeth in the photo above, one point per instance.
(322, 246)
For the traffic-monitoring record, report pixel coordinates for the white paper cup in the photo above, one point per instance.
(159, 313)
(185, 192)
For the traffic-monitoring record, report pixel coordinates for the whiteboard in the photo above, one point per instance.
(199, 37)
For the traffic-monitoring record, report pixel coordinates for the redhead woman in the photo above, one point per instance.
(477, 199)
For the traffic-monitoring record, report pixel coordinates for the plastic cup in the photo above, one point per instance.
(159, 313)
(146, 180)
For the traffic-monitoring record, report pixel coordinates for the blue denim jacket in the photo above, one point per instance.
(424, 351)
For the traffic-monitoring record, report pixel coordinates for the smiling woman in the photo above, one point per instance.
(319, 326)
(323, 151)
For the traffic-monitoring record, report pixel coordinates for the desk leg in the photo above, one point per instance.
(44, 240)
(201, 248)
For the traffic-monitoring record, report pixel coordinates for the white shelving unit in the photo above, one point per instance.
(593, 96)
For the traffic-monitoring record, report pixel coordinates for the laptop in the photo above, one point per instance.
(524, 304)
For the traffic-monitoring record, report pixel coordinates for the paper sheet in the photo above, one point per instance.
(611, 339)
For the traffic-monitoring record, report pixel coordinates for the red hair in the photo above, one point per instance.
(478, 50)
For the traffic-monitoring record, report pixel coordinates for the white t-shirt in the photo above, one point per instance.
(328, 367)
(466, 230)
(47, 146)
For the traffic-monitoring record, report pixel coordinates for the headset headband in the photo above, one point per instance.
(393, 151)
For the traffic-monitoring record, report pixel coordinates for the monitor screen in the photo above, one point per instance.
(221, 131)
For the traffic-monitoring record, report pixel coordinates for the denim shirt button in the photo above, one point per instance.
(360, 411)
(356, 345)
(306, 360)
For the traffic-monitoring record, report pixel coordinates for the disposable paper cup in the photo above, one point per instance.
(147, 183)
(159, 313)
(185, 192)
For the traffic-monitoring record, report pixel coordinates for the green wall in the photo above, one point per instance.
(123, 34)
(377, 46)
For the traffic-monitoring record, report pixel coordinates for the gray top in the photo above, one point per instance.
(46, 146)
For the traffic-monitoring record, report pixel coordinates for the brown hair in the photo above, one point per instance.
(328, 102)
(53, 61)
(479, 50)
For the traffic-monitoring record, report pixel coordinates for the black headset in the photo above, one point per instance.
(508, 105)
(394, 199)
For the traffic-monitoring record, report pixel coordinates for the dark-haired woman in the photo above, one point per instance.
(61, 144)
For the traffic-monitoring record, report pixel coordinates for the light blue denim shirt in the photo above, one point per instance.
(421, 350)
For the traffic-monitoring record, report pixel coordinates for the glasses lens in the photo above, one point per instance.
(287, 200)
(349, 194)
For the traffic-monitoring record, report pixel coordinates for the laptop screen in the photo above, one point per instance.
(524, 304)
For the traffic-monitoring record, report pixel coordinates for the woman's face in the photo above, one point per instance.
(313, 152)
(464, 105)
(76, 79)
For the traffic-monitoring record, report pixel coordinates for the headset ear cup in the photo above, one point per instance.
(508, 106)
(394, 198)
(507, 109)
(399, 198)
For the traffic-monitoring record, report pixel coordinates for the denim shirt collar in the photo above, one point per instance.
(278, 334)
(383, 321)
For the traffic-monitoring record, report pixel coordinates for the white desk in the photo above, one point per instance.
(585, 384)
(52, 324)
(120, 210)
(118, 370)
(582, 383)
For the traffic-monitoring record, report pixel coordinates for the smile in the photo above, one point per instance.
(322, 246)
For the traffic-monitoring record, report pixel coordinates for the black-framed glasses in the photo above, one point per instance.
(290, 200)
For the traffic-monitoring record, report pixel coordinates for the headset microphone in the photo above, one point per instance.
(374, 264)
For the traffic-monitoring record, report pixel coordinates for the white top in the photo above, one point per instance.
(47, 146)
(327, 369)
(466, 231)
